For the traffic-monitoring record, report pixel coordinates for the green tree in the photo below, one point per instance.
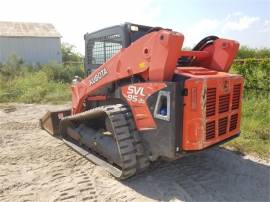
(69, 54)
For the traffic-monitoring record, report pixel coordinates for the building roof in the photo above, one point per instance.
(28, 29)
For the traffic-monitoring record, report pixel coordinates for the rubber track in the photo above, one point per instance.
(141, 155)
(130, 148)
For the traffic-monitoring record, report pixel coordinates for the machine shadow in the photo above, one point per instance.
(213, 175)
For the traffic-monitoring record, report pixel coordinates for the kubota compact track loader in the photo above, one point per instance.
(145, 98)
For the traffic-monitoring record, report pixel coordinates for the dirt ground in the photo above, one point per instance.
(35, 166)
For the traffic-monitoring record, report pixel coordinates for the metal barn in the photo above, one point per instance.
(35, 43)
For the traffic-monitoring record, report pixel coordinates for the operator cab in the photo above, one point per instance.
(103, 44)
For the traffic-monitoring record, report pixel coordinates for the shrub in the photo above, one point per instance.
(256, 73)
(14, 67)
(246, 52)
(45, 83)
(34, 87)
(60, 73)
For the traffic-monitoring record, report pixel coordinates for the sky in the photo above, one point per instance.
(247, 21)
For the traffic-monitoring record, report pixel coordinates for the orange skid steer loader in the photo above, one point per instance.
(145, 98)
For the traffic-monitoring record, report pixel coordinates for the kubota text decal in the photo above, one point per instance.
(98, 76)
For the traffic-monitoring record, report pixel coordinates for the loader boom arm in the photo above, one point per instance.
(153, 57)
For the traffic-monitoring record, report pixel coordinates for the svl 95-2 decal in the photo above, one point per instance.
(136, 96)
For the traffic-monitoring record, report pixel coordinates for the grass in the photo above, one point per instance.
(255, 126)
(34, 87)
(39, 84)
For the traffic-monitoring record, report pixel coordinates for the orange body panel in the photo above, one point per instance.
(136, 96)
(212, 109)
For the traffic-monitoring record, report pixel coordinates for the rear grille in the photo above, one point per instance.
(211, 102)
(210, 130)
(220, 119)
(236, 96)
(222, 126)
(233, 122)
(224, 103)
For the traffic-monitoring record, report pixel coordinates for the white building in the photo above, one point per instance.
(35, 43)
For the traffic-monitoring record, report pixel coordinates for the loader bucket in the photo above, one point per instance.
(50, 121)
